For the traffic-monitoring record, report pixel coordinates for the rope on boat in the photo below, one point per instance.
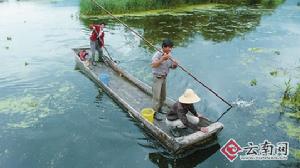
(150, 44)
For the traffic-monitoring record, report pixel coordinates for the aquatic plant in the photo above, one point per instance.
(183, 22)
(260, 115)
(277, 52)
(291, 108)
(255, 50)
(253, 82)
(290, 128)
(27, 110)
(291, 100)
(295, 153)
(287, 91)
(87, 7)
(274, 73)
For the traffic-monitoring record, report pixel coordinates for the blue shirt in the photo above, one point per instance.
(163, 68)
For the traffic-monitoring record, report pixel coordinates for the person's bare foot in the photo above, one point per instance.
(204, 129)
(86, 63)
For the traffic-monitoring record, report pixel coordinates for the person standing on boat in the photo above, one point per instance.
(97, 42)
(161, 64)
(183, 113)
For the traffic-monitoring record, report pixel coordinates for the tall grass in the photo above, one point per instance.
(87, 7)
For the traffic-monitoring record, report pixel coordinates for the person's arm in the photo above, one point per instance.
(185, 121)
(92, 26)
(102, 39)
(193, 110)
(156, 62)
(174, 64)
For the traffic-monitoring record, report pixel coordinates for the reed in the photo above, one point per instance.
(119, 6)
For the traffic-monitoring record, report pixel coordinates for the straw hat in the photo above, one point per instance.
(189, 97)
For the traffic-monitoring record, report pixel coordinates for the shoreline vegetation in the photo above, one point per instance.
(162, 7)
(158, 12)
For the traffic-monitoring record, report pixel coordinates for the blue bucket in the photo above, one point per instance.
(104, 78)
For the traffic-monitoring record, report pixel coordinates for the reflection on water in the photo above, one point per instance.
(163, 161)
(217, 25)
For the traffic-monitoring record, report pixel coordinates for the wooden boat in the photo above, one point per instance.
(134, 95)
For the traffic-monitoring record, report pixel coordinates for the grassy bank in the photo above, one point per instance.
(156, 12)
(88, 7)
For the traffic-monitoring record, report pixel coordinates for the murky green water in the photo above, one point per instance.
(51, 115)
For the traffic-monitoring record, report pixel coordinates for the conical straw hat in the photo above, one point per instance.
(189, 97)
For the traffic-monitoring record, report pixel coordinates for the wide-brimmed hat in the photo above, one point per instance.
(189, 97)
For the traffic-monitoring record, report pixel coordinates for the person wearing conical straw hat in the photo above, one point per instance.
(183, 113)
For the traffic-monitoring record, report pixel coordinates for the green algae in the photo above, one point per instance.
(256, 50)
(65, 88)
(259, 116)
(206, 20)
(274, 73)
(182, 10)
(88, 7)
(254, 122)
(260, 50)
(290, 128)
(17, 105)
(246, 60)
(295, 153)
(27, 110)
(295, 115)
(253, 82)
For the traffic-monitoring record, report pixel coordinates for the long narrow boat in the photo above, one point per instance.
(134, 95)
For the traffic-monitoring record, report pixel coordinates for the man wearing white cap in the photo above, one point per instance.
(183, 113)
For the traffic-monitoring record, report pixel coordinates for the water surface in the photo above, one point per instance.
(54, 116)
